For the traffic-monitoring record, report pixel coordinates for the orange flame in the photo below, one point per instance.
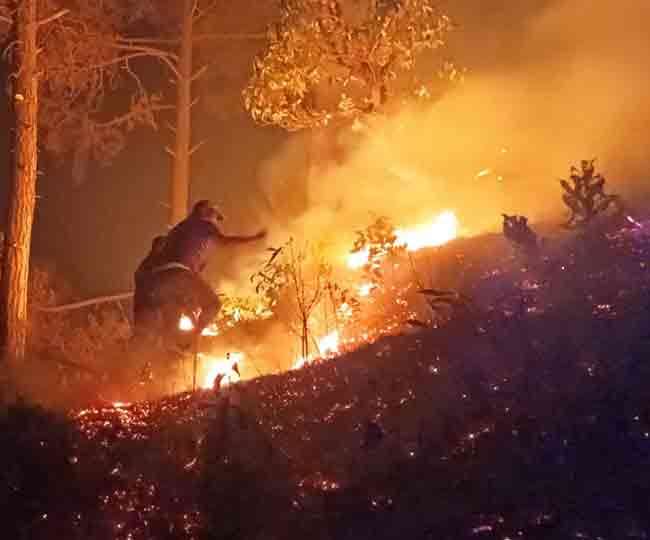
(214, 366)
(441, 230)
(185, 324)
(365, 289)
(328, 347)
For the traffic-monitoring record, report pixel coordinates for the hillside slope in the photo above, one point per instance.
(526, 417)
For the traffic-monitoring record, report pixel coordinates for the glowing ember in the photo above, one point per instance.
(328, 347)
(358, 259)
(443, 229)
(634, 221)
(121, 405)
(212, 330)
(365, 289)
(214, 366)
(185, 324)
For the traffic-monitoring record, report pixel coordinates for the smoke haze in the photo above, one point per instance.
(548, 84)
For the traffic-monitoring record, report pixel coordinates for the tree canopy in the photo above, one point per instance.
(81, 63)
(333, 60)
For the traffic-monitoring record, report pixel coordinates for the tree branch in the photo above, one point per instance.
(126, 117)
(126, 44)
(196, 147)
(199, 73)
(149, 41)
(86, 303)
(201, 13)
(54, 17)
(120, 59)
(254, 36)
(167, 57)
(251, 36)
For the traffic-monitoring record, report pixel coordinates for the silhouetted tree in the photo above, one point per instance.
(584, 195)
(182, 28)
(63, 65)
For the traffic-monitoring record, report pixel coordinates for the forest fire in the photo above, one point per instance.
(185, 324)
(228, 366)
(328, 346)
(438, 232)
(365, 289)
(443, 229)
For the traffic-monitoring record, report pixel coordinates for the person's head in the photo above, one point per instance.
(205, 210)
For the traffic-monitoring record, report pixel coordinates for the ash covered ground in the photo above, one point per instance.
(525, 416)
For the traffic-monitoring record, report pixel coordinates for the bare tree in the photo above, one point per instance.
(47, 47)
(63, 65)
(295, 280)
(185, 25)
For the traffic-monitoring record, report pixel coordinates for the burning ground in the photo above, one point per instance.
(523, 417)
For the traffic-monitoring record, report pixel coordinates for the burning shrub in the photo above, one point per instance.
(373, 246)
(71, 350)
(585, 196)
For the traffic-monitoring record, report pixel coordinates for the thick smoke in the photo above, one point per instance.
(548, 85)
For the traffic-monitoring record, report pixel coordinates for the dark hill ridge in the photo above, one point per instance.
(526, 417)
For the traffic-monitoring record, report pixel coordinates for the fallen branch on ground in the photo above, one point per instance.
(86, 303)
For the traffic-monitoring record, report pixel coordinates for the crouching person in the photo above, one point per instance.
(169, 282)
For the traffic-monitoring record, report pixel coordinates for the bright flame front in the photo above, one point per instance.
(212, 367)
(441, 230)
(328, 346)
(185, 324)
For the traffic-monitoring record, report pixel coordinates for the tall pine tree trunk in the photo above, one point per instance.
(22, 189)
(180, 182)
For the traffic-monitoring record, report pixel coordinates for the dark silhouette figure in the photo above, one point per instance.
(169, 282)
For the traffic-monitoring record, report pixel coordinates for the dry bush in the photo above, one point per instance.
(72, 353)
(585, 197)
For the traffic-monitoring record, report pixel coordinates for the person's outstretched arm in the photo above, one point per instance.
(237, 239)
